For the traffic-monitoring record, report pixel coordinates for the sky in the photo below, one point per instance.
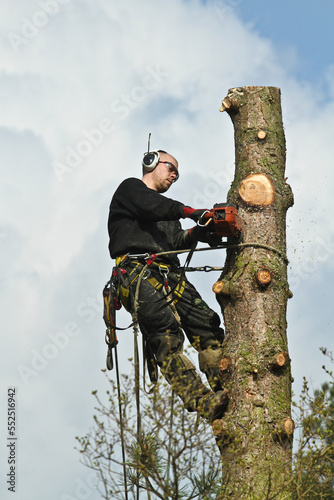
(82, 84)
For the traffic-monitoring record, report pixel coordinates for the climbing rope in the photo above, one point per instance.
(205, 249)
(136, 362)
(121, 423)
(170, 435)
(265, 247)
(206, 269)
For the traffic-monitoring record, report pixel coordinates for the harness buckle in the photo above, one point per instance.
(151, 258)
(164, 270)
(147, 273)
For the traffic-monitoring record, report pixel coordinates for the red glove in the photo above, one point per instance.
(194, 214)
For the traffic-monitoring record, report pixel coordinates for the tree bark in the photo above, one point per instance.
(255, 435)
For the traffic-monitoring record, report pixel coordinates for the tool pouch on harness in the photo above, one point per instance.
(110, 304)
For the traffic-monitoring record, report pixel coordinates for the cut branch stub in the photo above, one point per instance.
(285, 429)
(220, 287)
(280, 360)
(227, 288)
(225, 363)
(263, 277)
(289, 426)
(226, 104)
(217, 427)
(222, 433)
(257, 189)
(261, 134)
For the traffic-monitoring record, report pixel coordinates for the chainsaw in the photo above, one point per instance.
(225, 220)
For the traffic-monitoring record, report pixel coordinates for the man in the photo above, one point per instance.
(144, 221)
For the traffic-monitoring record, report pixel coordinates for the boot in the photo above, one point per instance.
(213, 405)
(181, 374)
(209, 364)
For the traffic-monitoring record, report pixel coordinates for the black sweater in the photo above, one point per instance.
(142, 220)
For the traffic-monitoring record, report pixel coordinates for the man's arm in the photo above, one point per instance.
(135, 200)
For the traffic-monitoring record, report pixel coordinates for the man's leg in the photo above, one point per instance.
(163, 334)
(208, 360)
(202, 327)
(165, 337)
(181, 374)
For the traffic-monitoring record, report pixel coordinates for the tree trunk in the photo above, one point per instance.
(255, 435)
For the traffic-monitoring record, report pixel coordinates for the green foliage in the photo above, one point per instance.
(171, 454)
(174, 455)
(313, 477)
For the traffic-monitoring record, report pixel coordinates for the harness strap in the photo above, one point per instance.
(138, 273)
(130, 277)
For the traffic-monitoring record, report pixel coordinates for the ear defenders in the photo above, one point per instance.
(150, 160)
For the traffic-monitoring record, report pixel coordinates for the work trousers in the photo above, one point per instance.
(157, 321)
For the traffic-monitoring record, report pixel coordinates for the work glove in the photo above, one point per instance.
(205, 235)
(210, 237)
(195, 214)
(204, 231)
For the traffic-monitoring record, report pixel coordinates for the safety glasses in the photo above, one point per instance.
(171, 168)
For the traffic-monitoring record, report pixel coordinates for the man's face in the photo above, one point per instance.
(165, 174)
